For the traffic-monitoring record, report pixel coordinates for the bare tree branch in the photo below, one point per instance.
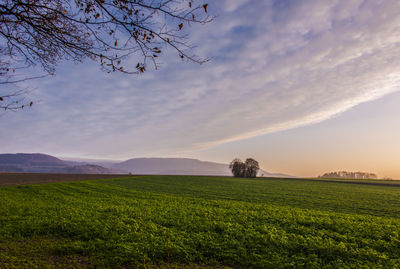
(111, 32)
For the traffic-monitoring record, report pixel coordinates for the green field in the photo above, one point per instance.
(188, 221)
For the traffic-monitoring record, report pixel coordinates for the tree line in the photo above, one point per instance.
(345, 174)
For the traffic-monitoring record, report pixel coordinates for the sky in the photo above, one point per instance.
(304, 87)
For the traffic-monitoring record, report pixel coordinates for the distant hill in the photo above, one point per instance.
(42, 163)
(83, 161)
(88, 169)
(179, 166)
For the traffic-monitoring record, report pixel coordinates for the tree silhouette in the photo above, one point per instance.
(252, 167)
(249, 168)
(237, 167)
(121, 35)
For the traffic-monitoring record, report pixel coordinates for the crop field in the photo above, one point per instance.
(10, 179)
(204, 222)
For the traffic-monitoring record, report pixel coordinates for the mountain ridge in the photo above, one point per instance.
(180, 166)
(44, 163)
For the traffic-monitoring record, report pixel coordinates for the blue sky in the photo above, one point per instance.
(288, 83)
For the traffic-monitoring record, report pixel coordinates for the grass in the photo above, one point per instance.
(10, 179)
(188, 221)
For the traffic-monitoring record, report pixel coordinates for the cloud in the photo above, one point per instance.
(275, 65)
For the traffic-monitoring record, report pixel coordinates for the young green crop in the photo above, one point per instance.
(175, 221)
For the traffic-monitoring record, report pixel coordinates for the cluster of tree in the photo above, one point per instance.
(249, 168)
(121, 35)
(345, 174)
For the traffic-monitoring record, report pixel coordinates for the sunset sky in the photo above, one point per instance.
(304, 87)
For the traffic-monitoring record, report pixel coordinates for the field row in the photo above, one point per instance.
(195, 221)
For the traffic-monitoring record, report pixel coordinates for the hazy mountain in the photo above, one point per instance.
(88, 169)
(42, 163)
(34, 159)
(179, 166)
(83, 161)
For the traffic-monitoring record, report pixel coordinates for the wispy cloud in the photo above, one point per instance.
(276, 65)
